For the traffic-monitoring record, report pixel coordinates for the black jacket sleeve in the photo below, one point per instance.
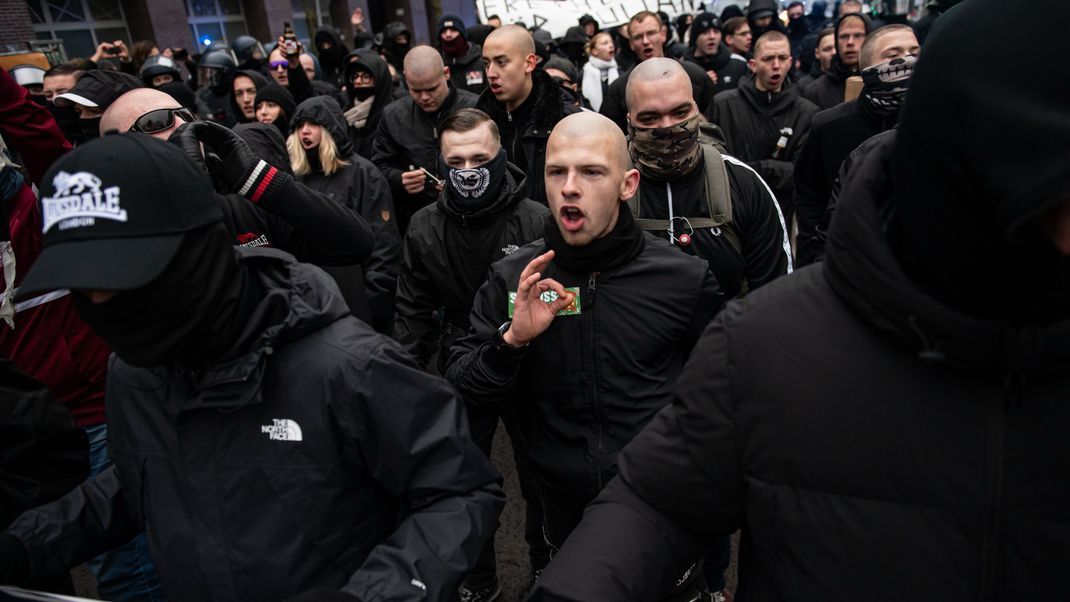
(298, 83)
(372, 195)
(811, 195)
(613, 104)
(417, 446)
(314, 228)
(680, 487)
(417, 299)
(388, 155)
(760, 224)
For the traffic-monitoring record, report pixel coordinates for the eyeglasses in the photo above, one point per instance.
(280, 64)
(159, 120)
(363, 76)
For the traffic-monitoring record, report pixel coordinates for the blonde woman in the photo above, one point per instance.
(600, 69)
(322, 158)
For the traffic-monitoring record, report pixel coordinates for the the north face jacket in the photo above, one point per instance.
(323, 457)
(445, 260)
(409, 136)
(753, 123)
(593, 380)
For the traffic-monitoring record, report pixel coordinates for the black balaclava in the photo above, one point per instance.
(965, 223)
(192, 315)
(621, 245)
(90, 127)
(474, 188)
(68, 121)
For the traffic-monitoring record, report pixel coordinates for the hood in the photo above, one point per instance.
(977, 169)
(330, 58)
(384, 83)
(477, 34)
(837, 70)
(324, 111)
(861, 267)
(513, 190)
(574, 35)
(549, 98)
(258, 79)
(395, 53)
(266, 142)
(764, 8)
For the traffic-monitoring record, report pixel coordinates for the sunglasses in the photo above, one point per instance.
(160, 119)
(280, 64)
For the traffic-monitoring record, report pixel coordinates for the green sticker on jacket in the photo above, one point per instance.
(573, 308)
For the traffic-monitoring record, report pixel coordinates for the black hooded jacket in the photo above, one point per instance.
(446, 256)
(729, 72)
(392, 51)
(468, 72)
(524, 137)
(828, 90)
(892, 405)
(258, 79)
(752, 122)
(331, 59)
(364, 138)
(615, 106)
(360, 186)
(409, 136)
(321, 457)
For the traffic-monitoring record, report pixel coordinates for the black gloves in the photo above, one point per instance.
(230, 159)
(14, 561)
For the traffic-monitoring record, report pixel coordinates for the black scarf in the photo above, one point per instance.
(623, 244)
(192, 315)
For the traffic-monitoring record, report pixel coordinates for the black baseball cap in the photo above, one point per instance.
(114, 213)
(98, 88)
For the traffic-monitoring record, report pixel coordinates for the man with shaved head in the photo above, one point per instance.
(586, 330)
(406, 142)
(525, 103)
(704, 202)
(146, 110)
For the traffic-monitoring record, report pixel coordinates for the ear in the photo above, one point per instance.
(529, 63)
(752, 65)
(629, 185)
(446, 72)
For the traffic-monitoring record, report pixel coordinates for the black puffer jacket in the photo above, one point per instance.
(445, 259)
(284, 469)
(468, 72)
(729, 71)
(361, 187)
(887, 424)
(592, 381)
(752, 122)
(526, 139)
(409, 136)
(364, 137)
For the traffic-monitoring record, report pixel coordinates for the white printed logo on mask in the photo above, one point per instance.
(282, 429)
(79, 200)
(470, 183)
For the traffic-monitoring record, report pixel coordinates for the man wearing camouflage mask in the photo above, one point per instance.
(750, 248)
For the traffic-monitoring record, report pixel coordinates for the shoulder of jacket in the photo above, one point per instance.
(665, 255)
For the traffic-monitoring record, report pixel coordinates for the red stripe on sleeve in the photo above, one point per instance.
(268, 177)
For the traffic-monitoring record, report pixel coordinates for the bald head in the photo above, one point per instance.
(595, 130)
(512, 36)
(122, 113)
(655, 71)
(423, 61)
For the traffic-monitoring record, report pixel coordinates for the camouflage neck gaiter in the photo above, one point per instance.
(665, 153)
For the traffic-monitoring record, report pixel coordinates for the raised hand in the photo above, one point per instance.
(531, 314)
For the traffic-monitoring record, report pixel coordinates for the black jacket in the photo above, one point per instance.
(756, 218)
(323, 457)
(592, 381)
(525, 142)
(834, 134)
(259, 80)
(445, 259)
(828, 90)
(468, 72)
(872, 443)
(752, 121)
(361, 187)
(409, 136)
(615, 106)
(364, 137)
(729, 71)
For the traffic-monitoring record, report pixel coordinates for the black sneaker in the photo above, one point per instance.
(484, 593)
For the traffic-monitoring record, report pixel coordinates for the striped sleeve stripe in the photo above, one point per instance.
(776, 205)
(252, 177)
(264, 183)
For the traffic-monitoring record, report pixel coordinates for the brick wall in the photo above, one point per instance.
(162, 20)
(265, 18)
(15, 26)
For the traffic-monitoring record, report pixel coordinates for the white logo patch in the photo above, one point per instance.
(510, 249)
(78, 201)
(282, 429)
(470, 183)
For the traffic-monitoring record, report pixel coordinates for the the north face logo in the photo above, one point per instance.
(510, 249)
(79, 201)
(282, 429)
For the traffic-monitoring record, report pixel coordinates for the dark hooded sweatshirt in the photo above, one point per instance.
(892, 420)
(331, 59)
(446, 256)
(752, 122)
(827, 91)
(729, 72)
(364, 138)
(392, 51)
(361, 187)
(259, 80)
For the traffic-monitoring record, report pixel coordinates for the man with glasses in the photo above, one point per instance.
(263, 205)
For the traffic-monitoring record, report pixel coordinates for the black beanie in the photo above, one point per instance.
(452, 22)
(278, 95)
(703, 23)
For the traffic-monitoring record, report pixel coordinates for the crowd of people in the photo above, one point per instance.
(770, 272)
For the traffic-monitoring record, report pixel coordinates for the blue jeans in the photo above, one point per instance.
(125, 574)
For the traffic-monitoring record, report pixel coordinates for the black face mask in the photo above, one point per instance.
(190, 315)
(362, 94)
(621, 245)
(68, 122)
(469, 189)
(90, 127)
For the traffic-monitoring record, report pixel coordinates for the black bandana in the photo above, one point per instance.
(90, 127)
(470, 189)
(886, 84)
(623, 244)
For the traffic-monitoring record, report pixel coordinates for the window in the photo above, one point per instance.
(213, 21)
(81, 24)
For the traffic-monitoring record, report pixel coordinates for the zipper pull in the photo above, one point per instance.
(590, 282)
(509, 115)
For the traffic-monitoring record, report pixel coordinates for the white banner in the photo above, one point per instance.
(556, 16)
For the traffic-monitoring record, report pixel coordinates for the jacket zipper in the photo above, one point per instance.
(588, 304)
(1012, 399)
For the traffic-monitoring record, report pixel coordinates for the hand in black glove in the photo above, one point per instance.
(322, 594)
(14, 561)
(239, 169)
